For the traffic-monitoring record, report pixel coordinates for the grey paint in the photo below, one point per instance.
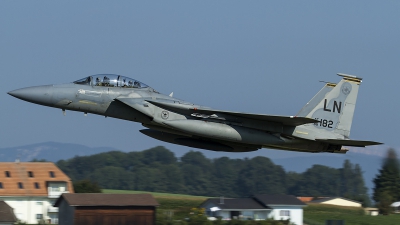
(65, 213)
(184, 123)
(316, 100)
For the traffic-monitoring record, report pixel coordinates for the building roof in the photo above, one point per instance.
(371, 209)
(256, 202)
(395, 204)
(235, 203)
(278, 200)
(99, 199)
(29, 173)
(6, 213)
(320, 200)
(305, 199)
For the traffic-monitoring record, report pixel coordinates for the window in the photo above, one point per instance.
(8, 174)
(52, 174)
(111, 80)
(37, 186)
(39, 216)
(1, 185)
(30, 174)
(84, 81)
(284, 213)
(20, 185)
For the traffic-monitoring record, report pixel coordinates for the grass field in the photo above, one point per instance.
(156, 194)
(318, 214)
(180, 205)
(314, 214)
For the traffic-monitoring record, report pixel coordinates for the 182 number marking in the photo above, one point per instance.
(324, 123)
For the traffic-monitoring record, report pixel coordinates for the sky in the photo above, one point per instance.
(262, 57)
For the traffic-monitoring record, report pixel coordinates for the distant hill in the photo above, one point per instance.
(370, 159)
(50, 151)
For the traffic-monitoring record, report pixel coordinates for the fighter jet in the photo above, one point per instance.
(322, 125)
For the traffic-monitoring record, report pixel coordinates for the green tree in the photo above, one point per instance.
(196, 173)
(113, 177)
(385, 200)
(174, 182)
(360, 191)
(292, 181)
(261, 176)
(387, 182)
(319, 181)
(158, 154)
(225, 174)
(157, 169)
(352, 184)
(86, 186)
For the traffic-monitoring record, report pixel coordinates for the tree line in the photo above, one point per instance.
(159, 170)
(387, 183)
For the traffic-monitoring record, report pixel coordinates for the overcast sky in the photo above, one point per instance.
(250, 56)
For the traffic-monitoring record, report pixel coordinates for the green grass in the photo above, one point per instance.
(179, 204)
(156, 194)
(315, 214)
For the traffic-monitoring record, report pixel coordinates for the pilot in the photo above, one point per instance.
(106, 81)
(98, 83)
(130, 83)
(137, 84)
(124, 83)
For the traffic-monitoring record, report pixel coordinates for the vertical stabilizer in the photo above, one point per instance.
(316, 100)
(335, 107)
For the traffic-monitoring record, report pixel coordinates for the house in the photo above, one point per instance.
(396, 207)
(337, 201)
(257, 207)
(31, 188)
(371, 211)
(7, 216)
(109, 209)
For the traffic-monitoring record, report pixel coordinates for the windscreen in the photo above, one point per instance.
(84, 81)
(111, 80)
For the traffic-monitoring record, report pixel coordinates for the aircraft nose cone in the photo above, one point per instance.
(40, 94)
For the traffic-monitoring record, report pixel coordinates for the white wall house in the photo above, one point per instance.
(258, 207)
(32, 188)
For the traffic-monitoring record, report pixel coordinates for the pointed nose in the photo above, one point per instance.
(40, 94)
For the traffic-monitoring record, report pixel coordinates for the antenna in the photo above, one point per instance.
(330, 84)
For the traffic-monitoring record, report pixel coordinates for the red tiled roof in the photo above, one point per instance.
(19, 173)
(305, 199)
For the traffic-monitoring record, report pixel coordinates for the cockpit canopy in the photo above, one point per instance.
(111, 80)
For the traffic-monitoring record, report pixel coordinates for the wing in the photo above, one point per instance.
(205, 112)
(354, 143)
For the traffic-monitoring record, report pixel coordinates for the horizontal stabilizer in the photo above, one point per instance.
(286, 120)
(354, 143)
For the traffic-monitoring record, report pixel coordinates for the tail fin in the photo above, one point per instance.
(315, 100)
(334, 105)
